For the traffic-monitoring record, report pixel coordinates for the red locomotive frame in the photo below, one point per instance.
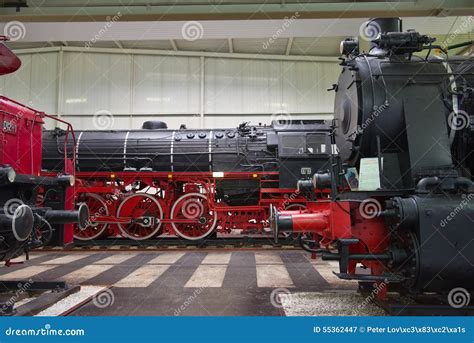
(141, 204)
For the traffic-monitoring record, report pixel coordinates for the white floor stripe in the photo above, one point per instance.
(75, 299)
(23, 274)
(167, 258)
(143, 276)
(274, 276)
(67, 259)
(217, 258)
(207, 276)
(85, 273)
(115, 259)
(268, 258)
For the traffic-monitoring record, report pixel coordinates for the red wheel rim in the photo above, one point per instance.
(193, 206)
(97, 206)
(140, 207)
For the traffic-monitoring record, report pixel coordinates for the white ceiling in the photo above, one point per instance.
(311, 37)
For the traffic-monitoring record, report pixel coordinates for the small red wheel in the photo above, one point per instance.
(97, 207)
(193, 206)
(146, 213)
(295, 207)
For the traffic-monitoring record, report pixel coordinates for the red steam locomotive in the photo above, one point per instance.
(34, 209)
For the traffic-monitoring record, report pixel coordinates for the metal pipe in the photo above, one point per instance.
(459, 45)
(79, 217)
(337, 257)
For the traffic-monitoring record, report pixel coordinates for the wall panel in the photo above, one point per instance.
(44, 82)
(166, 85)
(17, 86)
(95, 82)
(235, 86)
(139, 87)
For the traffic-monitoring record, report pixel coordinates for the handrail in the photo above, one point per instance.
(71, 131)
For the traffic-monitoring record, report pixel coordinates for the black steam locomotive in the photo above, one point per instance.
(402, 191)
(236, 174)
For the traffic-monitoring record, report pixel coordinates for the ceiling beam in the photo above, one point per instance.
(289, 45)
(181, 53)
(173, 45)
(217, 29)
(97, 11)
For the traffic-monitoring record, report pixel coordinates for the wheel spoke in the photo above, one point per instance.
(193, 206)
(138, 206)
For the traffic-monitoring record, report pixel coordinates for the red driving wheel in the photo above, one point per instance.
(146, 213)
(193, 206)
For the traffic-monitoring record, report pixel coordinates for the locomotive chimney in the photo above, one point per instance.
(376, 26)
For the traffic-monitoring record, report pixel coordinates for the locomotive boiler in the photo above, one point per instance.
(187, 182)
(34, 209)
(402, 213)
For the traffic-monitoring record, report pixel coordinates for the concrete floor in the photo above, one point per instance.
(197, 282)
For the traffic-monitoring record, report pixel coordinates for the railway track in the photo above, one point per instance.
(242, 242)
